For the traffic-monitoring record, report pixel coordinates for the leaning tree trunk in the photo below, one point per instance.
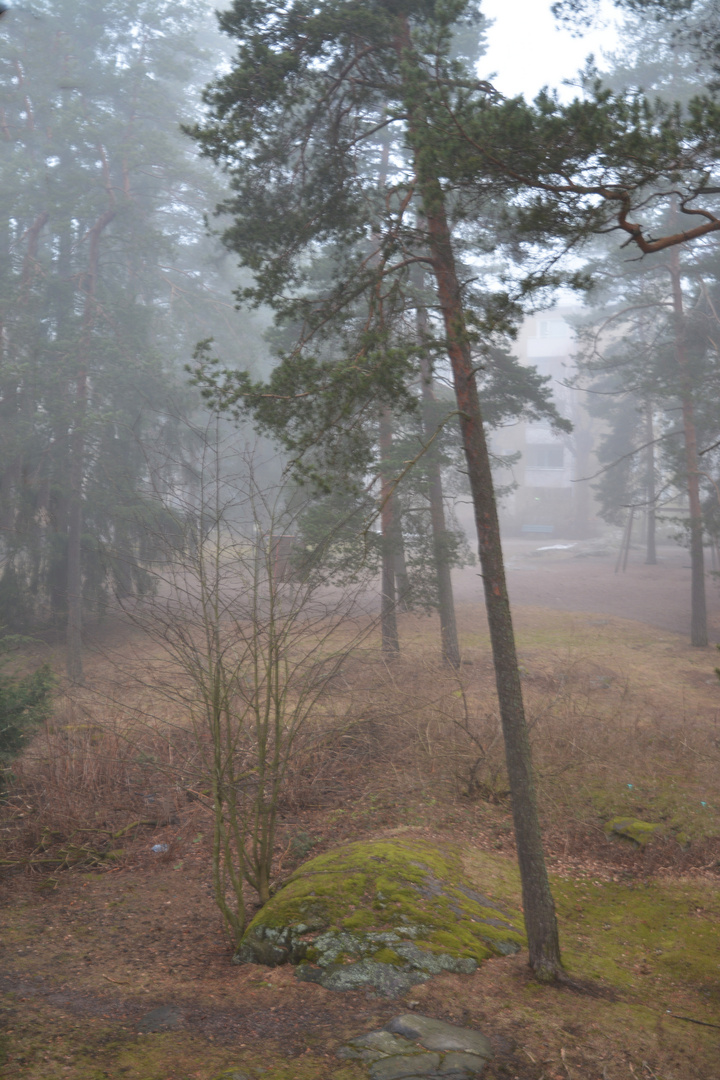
(698, 609)
(539, 908)
(446, 601)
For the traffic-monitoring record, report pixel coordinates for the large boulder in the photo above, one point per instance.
(386, 914)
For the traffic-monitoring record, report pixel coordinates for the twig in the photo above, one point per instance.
(689, 1020)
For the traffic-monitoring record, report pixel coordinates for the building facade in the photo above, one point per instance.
(547, 470)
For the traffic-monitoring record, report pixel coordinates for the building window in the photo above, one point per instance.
(553, 328)
(544, 456)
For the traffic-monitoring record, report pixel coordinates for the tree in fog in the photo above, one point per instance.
(657, 334)
(294, 122)
(617, 158)
(101, 206)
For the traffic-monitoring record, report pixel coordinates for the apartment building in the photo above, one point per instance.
(551, 496)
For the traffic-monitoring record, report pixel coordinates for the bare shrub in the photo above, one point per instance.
(84, 786)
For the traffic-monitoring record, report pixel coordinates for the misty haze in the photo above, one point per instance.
(360, 540)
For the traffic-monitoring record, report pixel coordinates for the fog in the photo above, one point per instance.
(360, 484)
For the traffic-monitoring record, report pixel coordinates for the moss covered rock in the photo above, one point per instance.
(387, 914)
(637, 832)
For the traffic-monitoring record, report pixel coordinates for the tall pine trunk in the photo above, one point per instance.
(77, 461)
(698, 609)
(650, 518)
(388, 616)
(539, 908)
(402, 582)
(446, 601)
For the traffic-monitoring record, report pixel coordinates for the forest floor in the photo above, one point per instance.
(625, 719)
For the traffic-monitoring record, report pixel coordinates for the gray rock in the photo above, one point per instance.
(460, 1065)
(404, 1065)
(308, 919)
(437, 1035)
(384, 978)
(376, 1045)
(333, 943)
(164, 1018)
(233, 1074)
(435, 963)
(505, 948)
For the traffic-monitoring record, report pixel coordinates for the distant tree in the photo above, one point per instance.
(653, 341)
(100, 206)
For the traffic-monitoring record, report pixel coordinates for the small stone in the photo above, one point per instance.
(309, 973)
(437, 1035)
(233, 1074)
(402, 1066)
(164, 1018)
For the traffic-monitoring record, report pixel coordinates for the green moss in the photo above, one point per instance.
(645, 937)
(637, 832)
(657, 931)
(387, 956)
(359, 920)
(679, 804)
(349, 901)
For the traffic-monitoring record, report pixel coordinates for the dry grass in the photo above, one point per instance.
(390, 747)
(623, 720)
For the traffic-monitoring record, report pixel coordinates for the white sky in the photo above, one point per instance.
(528, 50)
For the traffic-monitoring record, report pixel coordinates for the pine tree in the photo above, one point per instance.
(100, 205)
(293, 123)
(657, 313)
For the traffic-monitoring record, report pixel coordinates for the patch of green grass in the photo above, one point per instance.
(628, 934)
(646, 936)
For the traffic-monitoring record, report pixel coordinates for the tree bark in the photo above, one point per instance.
(650, 520)
(446, 601)
(402, 583)
(388, 617)
(77, 463)
(539, 908)
(698, 609)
